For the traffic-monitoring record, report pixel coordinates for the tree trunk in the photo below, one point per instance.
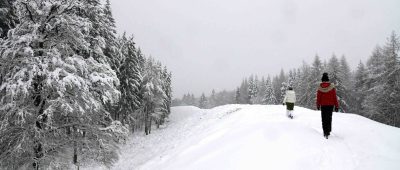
(146, 126)
(75, 157)
(39, 101)
(149, 125)
(38, 150)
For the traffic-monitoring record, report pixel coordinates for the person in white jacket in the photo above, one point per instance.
(289, 100)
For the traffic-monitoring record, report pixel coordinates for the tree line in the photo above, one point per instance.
(371, 90)
(71, 88)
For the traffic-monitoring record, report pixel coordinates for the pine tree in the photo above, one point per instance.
(277, 85)
(8, 18)
(166, 103)
(111, 48)
(291, 78)
(311, 79)
(193, 100)
(391, 90)
(184, 99)
(344, 89)
(269, 93)
(335, 76)
(131, 79)
(334, 70)
(237, 96)
(261, 91)
(167, 79)
(297, 84)
(375, 70)
(383, 96)
(244, 92)
(153, 95)
(213, 99)
(284, 88)
(256, 90)
(359, 90)
(109, 20)
(253, 90)
(203, 101)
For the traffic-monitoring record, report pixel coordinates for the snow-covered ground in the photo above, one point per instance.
(261, 137)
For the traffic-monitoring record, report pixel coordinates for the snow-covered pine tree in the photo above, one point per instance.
(237, 96)
(183, 99)
(269, 93)
(161, 111)
(335, 73)
(153, 95)
(391, 90)
(193, 100)
(303, 86)
(256, 90)
(52, 91)
(334, 69)
(188, 99)
(8, 18)
(284, 88)
(252, 91)
(314, 78)
(291, 78)
(277, 85)
(203, 101)
(111, 48)
(359, 88)
(167, 82)
(109, 20)
(142, 59)
(225, 97)
(375, 70)
(169, 92)
(309, 81)
(261, 91)
(296, 83)
(164, 109)
(244, 92)
(345, 88)
(345, 71)
(212, 102)
(130, 76)
(383, 96)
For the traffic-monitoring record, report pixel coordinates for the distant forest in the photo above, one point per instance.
(371, 90)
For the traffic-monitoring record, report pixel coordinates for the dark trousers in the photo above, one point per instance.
(326, 115)
(289, 106)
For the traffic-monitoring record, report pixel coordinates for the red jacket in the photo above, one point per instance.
(326, 95)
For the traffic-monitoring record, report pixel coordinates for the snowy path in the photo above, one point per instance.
(261, 137)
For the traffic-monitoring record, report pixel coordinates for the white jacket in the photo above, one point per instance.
(290, 97)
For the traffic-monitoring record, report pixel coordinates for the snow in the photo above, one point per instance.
(262, 137)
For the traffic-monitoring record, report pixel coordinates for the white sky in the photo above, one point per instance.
(213, 44)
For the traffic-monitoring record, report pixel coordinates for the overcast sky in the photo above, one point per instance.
(213, 44)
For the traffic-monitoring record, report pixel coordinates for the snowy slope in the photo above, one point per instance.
(261, 137)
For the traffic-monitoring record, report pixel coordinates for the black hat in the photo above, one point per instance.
(290, 88)
(325, 77)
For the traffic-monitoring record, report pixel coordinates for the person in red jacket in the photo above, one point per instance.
(326, 102)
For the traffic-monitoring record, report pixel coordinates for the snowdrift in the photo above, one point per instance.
(262, 137)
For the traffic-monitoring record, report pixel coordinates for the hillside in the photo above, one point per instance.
(261, 137)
